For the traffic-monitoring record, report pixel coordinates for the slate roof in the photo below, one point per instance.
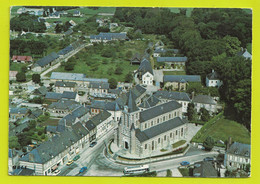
(172, 59)
(74, 77)
(115, 91)
(64, 104)
(204, 99)
(158, 129)
(205, 169)
(51, 128)
(35, 114)
(41, 90)
(240, 149)
(109, 36)
(144, 67)
(158, 110)
(99, 85)
(213, 76)
(172, 95)
(55, 145)
(150, 102)
(18, 110)
(245, 54)
(66, 50)
(53, 95)
(65, 84)
(136, 57)
(181, 78)
(109, 106)
(131, 104)
(96, 120)
(69, 95)
(18, 129)
(47, 59)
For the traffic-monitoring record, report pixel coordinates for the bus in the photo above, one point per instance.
(136, 169)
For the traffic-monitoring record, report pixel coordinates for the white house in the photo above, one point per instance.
(145, 73)
(213, 80)
(205, 101)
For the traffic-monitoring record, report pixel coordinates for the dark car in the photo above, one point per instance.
(208, 159)
(184, 163)
(92, 144)
(76, 157)
(83, 169)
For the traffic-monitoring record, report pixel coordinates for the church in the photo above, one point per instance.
(143, 131)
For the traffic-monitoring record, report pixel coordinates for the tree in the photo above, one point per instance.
(169, 173)
(24, 69)
(232, 45)
(13, 143)
(112, 83)
(128, 77)
(129, 54)
(58, 28)
(20, 77)
(191, 111)
(209, 143)
(204, 114)
(118, 70)
(36, 78)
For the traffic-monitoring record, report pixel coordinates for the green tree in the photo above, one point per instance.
(24, 69)
(112, 83)
(20, 77)
(36, 78)
(209, 143)
(191, 112)
(232, 45)
(128, 77)
(204, 114)
(169, 173)
(118, 70)
(58, 28)
(13, 143)
(129, 54)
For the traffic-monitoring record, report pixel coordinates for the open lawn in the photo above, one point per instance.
(88, 11)
(17, 66)
(222, 129)
(174, 73)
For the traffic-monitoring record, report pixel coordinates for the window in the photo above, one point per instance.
(170, 135)
(151, 123)
(165, 137)
(145, 125)
(175, 114)
(145, 146)
(169, 116)
(176, 132)
(163, 118)
(158, 120)
(159, 140)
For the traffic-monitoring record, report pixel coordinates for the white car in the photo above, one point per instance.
(56, 172)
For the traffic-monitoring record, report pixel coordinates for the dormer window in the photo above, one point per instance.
(247, 154)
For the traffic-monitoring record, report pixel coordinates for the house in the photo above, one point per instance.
(98, 89)
(22, 59)
(48, 25)
(149, 102)
(32, 11)
(12, 75)
(179, 82)
(244, 53)
(13, 159)
(237, 156)
(136, 59)
(159, 45)
(18, 113)
(161, 51)
(103, 123)
(205, 101)
(54, 15)
(113, 25)
(61, 86)
(213, 80)
(76, 13)
(41, 91)
(62, 107)
(174, 62)
(72, 23)
(105, 37)
(35, 114)
(181, 97)
(51, 154)
(143, 132)
(18, 129)
(46, 61)
(66, 95)
(145, 73)
(80, 79)
(205, 170)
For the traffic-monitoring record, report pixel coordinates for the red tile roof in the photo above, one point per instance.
(22, 58)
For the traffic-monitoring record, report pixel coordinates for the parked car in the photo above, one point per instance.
(56, 172)
(208, 159)
(93, 144)
(69, 162)
(184, 163)
(76, 158)
(83, 169)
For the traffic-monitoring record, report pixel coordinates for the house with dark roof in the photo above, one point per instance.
(62, 107)
(106, 37)
(13, 159)
(141, 131)
(205, 170)
(51, 154)
(136, 58)
(145, 73)
(181, 97)
(45, 62)
(100, 124)
(98, 89)
(41, 91)
(174, 62)
(76, 13)
(179, 82)
(18, 113)
(238, 156)
(61, 86)
(213, 80)
(66, 95)
(149, 102)
(205, 101)
(159, 52)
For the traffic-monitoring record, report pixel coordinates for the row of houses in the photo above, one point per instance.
(106, 37)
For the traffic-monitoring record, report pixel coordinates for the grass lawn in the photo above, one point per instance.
(222, 129)
(179, 143)
(174, 73)
(87, 11)
(17, 66)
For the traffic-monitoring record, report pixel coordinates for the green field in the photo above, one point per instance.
(174, 73)
(87, 11)
(222, 129)
(17, 66)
